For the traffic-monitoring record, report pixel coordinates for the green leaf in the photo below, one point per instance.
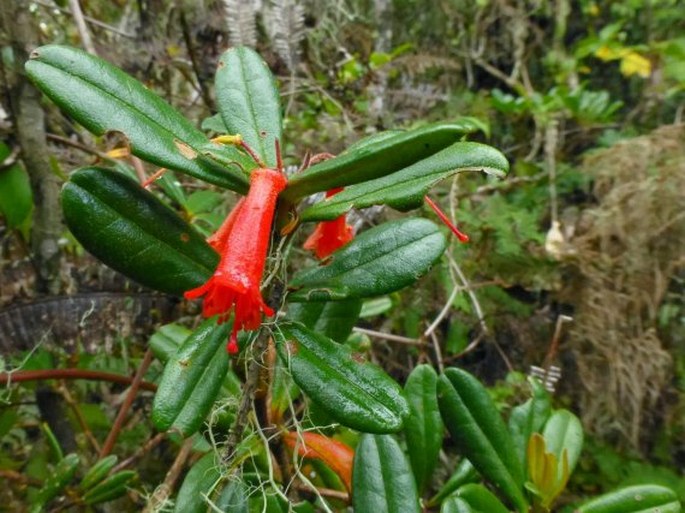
(60, 477)
(104, 99)
(423, 428)
(382, 481)
(374, 157)
(248, 101)
(356, 393)
(383, 259)
(16, 199)
(132, 232)
(198, 482)
(480, 434)
(405, 189)
(529, 418)
(97, 472)
(192, 379)
(333, 319)
(563, 431)
(480, 499)
(455, 505)
(167, 339)
(464, 473)
(111, 488)
(376, 306)
(634, 499)
(283, 391)
(233, 498)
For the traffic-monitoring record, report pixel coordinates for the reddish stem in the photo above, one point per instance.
(126, 405)
(37, 375)
(460, 235)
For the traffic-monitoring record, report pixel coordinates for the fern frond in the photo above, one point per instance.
(284, 23)
(241, 22)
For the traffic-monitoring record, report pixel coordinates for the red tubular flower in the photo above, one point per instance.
(243, 241)
(329, 235)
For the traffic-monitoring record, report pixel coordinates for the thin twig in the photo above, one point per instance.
(163, 491)
(249, 389)
(80, 22)
(149, 445)
(126, 405)
(79, 415)
(82, 147)
(37, 375)
(390, 337)
(90, 20)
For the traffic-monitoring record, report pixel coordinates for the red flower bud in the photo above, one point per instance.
(243, 241)
(329, 235)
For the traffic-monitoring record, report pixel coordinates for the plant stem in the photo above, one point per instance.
(126, 405)
(36, 375)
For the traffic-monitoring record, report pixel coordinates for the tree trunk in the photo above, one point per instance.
(29, 122)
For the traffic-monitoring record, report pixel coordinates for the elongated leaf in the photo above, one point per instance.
(455, 505)
(192, 379)
(480, 499)
(60, 477)
(112, 487)
(334, 319)
(463, 474)
(529, 418)
(382, 481)
(134, 233)
(357, 394)
(248, 101)
(563, 430)
(198, 482)
(383, 259)
(376, 156)
(233, 498)
(167, 339)
(634, 499)
(480, 433)
(423, 428)
(103, 99)
(337, 455)
(98, 472)
(283, 391)
(16, 199)
(405, 189)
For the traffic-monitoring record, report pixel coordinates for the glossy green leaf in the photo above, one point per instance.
(463, 474)
(480, 434)
(356, 393)
(16, 199)
(333, 319)
(386, 258)
(405, 189)
(382, 481)
(423, 428)
(132, 232)
(104, 99)
(563, 430)
(455, 505)
(283, 391)
(634, 499)
(98, 472)
(480, 499)
(192, 379)
(59, 478)
(233, 498)
(200, 479)
(529, 417)
(375, 157)
(248, 101)
(111, 488)
(167, 339)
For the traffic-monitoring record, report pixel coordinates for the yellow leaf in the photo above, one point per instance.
(606, 54)
(633, 63)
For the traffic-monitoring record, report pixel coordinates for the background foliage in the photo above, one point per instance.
(585, 99)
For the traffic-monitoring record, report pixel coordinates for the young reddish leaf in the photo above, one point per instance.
(337, 455)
